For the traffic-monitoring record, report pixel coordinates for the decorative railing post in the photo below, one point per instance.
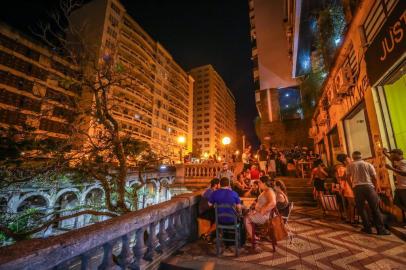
(185, 224)
(180, 230)
(152, 242)
(163, 236)
(107, 262)
(126, 257)
(172, 228)
(139, 248)
(85, 260)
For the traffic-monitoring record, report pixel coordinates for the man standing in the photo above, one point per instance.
(226, 172)
(273, 154)
(246, 158)
(399, 168)
(362, 175)
(262, 158)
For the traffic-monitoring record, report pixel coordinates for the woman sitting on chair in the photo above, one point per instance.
(282, 201)
(266, 202)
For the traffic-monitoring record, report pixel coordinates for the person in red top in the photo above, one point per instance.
(254, 173)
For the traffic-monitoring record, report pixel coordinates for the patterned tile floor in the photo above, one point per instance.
(318, 243)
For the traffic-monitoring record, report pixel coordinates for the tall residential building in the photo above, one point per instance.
(157, 108)
(213, 111)
(30, 85)
(276, 46)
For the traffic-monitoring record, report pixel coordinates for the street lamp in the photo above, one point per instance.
(226, 141)
(181, 141)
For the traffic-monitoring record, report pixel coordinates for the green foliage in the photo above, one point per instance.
(331, 26)
(310, 90)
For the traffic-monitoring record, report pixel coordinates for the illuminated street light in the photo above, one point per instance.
(181, 141)
(226, 141)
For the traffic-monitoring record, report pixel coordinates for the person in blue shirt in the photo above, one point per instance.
(225, 195)
(206, 211)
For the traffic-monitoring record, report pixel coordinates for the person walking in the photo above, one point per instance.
(345, 187)
(263, 158)
(362, 175)
(399, 168)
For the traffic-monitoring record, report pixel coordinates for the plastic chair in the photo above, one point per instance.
(329, 203)
(234, 226)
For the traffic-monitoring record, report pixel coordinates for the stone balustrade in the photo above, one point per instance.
(137, 240)
(202, 170)
(197, 176)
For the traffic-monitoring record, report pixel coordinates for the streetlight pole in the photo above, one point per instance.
(226, 141)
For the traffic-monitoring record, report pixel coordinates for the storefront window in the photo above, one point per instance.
(396, 102)
(356, 131)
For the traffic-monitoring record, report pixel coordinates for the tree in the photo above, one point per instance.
(95, 147)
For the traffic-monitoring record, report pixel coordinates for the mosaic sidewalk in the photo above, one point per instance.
(318, 243)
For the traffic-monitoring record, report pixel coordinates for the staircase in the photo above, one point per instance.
(299, 191)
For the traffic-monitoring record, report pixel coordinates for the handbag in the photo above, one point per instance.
(277, 229)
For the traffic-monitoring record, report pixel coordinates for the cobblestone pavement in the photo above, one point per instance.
(318, 243)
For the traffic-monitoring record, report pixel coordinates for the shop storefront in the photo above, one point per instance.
(386, 69)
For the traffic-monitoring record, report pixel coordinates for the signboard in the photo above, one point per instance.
(389, 44)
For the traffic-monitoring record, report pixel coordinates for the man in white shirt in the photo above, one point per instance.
(362, 175)
(399, 168)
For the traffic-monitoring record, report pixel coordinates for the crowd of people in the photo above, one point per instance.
(267, 193)
(357, 189)
(355, 186)
(277, 161)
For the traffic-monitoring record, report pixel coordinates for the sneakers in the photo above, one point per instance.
(384, 232)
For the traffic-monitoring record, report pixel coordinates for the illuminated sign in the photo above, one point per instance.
(389, 44)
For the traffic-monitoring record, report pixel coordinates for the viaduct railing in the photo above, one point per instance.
(198, 176)
(138, 240)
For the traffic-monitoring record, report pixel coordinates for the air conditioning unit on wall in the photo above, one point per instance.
(343, 81)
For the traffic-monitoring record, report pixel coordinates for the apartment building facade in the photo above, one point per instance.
(213, 111)
(157, 108)
(31, 88)
(362, 106)
(275, 41)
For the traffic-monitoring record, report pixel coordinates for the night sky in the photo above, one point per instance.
(194, 32)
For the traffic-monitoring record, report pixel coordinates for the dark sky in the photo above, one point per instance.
(195, 32)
